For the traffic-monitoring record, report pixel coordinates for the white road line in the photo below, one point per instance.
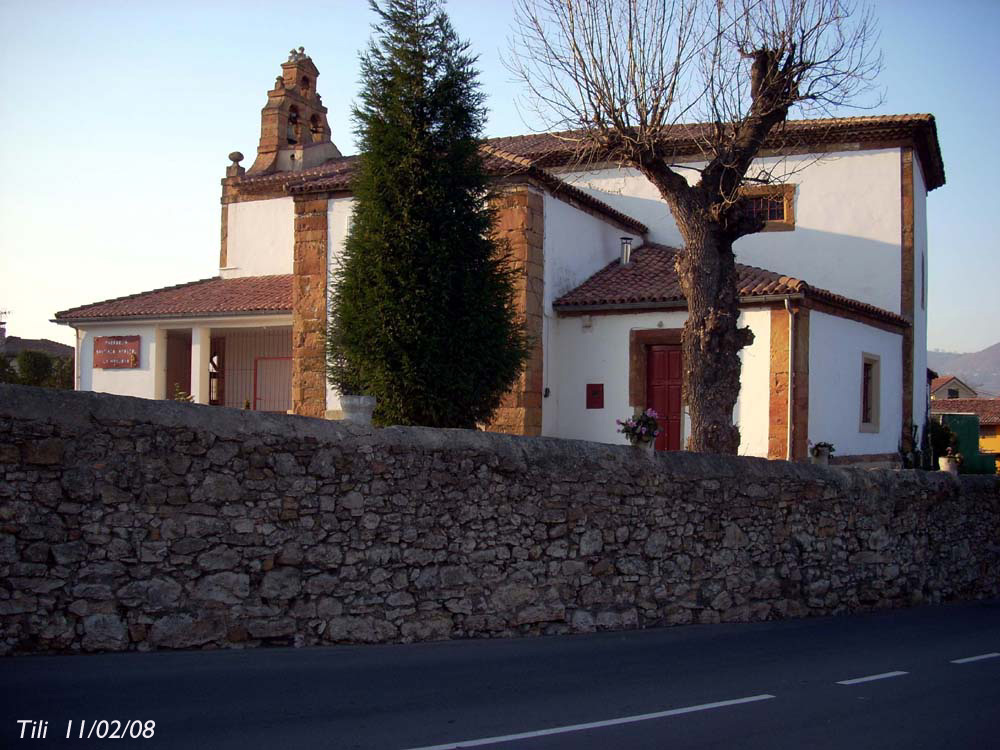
(869, 678)
(967, 659)
(594, 724)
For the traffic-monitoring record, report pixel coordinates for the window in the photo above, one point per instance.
(774, 204)
(953, 393)
(870, 387)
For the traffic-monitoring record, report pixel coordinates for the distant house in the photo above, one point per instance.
(11, 346)
(949, 386)
(988, 411)
(833, 288)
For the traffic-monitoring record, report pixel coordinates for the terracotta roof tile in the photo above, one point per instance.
(651, 278)
(337, 174)
(560, 149)
(505, 165)
(938, 382)
(651, 281)
(987, 409)
(215, 296)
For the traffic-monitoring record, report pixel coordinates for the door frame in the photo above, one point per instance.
(639, 341)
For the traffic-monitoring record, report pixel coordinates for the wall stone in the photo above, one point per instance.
(128, 524)
(520, 222)
(309, 306)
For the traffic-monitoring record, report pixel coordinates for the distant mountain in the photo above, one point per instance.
(940, 361)
(980, 370)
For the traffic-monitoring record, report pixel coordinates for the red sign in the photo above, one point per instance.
(116, 352)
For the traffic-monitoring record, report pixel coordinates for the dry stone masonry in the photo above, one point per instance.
(129, 525)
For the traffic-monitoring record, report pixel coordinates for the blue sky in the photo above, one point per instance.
(116, 119)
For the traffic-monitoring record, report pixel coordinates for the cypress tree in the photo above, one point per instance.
(422, 314)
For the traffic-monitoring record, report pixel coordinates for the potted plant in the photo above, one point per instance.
(356, 404)
(641, 430)
(821, 452)
(950, 461)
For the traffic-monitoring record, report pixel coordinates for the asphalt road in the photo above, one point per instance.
(766, 685)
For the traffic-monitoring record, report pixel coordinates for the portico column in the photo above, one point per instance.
(201, 345)
(158, 363)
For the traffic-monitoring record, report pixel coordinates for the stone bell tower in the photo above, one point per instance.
(294, 133)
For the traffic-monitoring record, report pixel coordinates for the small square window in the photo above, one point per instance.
(773, 204)
(870, 392)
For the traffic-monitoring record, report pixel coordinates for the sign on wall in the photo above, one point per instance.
(116, 352)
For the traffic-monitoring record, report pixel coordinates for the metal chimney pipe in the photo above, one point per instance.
(626, 256)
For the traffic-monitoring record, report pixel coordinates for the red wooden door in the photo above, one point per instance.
(663, 393)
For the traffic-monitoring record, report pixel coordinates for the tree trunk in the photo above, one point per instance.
(712, 340)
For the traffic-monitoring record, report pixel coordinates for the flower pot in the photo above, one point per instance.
(646, 446)
(821, 456)
(949, 464)
(357, 409)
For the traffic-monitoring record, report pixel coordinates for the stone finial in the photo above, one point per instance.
(279, 83)
(294, 55)
(234, 169)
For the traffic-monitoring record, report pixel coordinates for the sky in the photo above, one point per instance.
(116, 119)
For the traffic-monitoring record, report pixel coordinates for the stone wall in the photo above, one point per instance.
(133, 524)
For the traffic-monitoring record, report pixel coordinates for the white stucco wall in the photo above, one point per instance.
(338, 215)
(836, 349)
(260, 238)
(752, 412)
(847, 220)
(920, 264)
(140, 381)
(577, 245)
(578, 355)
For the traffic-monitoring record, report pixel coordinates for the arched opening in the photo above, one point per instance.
(292, 132)
(304, 83)
(316, 128)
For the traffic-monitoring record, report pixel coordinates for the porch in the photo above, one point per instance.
(238, 367)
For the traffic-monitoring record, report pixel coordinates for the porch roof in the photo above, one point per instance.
(215, 296)
(650, 282)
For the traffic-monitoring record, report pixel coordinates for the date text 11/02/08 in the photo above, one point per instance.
(103, 729)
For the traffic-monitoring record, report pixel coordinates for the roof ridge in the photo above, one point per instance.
(904, 117)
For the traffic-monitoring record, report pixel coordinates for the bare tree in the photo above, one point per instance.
(622, 75)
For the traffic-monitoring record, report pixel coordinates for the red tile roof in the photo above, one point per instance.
(942, 381)
(651, 281)
(215, 296)
(510, 166)
(561, 149)
(987, 409)
(338, 174)
(938, 382)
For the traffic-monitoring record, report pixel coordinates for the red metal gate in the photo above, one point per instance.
(272, 384)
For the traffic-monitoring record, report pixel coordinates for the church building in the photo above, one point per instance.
(834, 288)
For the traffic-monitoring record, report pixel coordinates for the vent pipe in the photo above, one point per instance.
(626, 257)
